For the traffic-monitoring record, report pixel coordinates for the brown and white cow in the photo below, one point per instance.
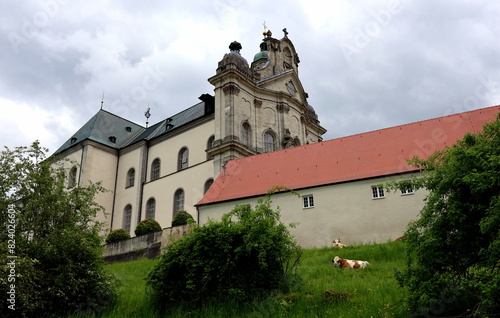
(340, 262)
(337, 243)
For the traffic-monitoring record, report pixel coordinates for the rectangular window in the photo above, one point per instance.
(308, 201)
(378, 192)
(406, 191)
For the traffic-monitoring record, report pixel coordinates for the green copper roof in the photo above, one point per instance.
(261, 55)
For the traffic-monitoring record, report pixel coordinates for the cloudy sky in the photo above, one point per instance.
(365, 64)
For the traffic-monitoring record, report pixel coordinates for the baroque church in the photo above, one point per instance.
(258, 131)
(154, 172)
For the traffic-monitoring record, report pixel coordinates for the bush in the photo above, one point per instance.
(117, 235)
(147, 226)
(248, 254)
(182, 218)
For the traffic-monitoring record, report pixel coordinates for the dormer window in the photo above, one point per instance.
(128, 128)
(112, 139)
(73, 140)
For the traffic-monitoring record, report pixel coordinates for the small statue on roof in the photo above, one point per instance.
(235, 46)
(286, 33)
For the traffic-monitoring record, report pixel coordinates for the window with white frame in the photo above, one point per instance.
(207, 185)
(308, 201)
(210, 144)
(183, 159)
(127, 218)
(406, 191)
(178, 201)
(378, 192)
(155, 169)
(72, 177)
(269, 142)
(130, 178)
(150, 208)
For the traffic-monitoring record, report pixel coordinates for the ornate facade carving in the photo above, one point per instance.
(283, 108)
(257, 103)
(231, 89)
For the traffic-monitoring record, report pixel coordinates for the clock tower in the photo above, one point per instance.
(260, 107)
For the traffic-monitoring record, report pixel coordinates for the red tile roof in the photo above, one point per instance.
(372, 154)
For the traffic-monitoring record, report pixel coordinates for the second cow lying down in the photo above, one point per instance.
(340, 262)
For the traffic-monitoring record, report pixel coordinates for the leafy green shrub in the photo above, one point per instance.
(117, 235)
(182, 218)
(248, 254)
(147, 226)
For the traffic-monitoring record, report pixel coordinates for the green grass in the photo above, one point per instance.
(368, 292)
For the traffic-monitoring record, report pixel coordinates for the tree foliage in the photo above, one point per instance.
(53, 237)
(147, 226)
(247, 254)
(454, 246)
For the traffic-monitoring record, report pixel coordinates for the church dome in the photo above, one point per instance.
(261, 55)
(235, 48)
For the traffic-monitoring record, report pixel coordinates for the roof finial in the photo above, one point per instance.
(147, 114)
(102, 99)
(286, 32)
(266, 32)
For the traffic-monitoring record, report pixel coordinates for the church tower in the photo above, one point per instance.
(260, 107)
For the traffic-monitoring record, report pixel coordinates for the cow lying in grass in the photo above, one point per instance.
(337, 243)
(340, 262)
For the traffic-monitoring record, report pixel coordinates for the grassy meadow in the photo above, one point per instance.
(323, 291)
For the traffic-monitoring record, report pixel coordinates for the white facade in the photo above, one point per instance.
(345, 211)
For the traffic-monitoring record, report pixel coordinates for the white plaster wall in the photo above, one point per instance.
(191, 180)
(194, 139)
(100, 165)
(123, 195)
(346, 211)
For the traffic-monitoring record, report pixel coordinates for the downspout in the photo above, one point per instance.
(143, 181)
(114, 191)
(81, 165)
(197, 215)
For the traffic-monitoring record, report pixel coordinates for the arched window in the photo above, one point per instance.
(210, 143)
(155, 169)
(178, 201)
(150, 208)
(72, 177)
(183, 159)
(207, 185)
(127, 218)
(246, 134)
(269, 142)
(130, 178)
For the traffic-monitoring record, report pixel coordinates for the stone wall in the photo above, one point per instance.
(144, 246)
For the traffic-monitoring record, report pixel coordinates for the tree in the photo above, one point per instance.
(248, 254)
(52, 240)
(454, 247)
